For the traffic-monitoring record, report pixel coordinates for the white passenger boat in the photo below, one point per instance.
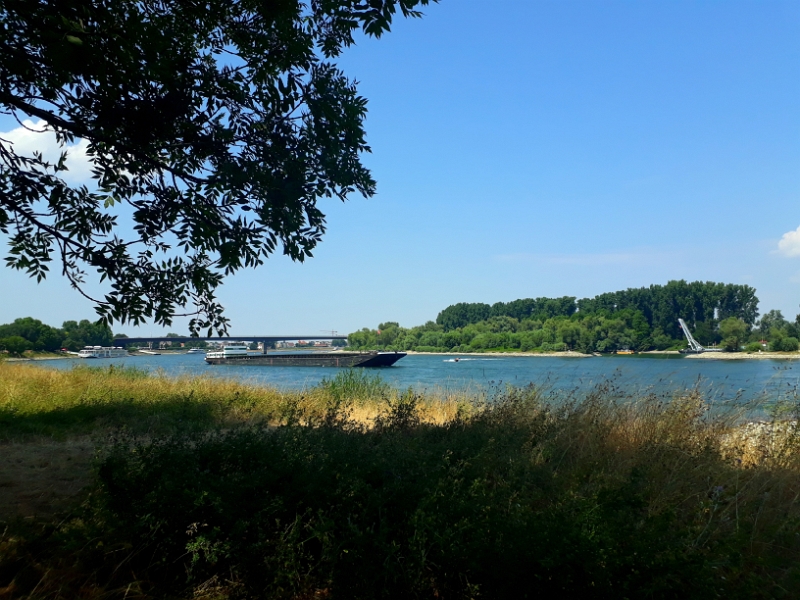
(228, 351)
(102, 352)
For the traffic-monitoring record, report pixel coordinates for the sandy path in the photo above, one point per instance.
(42, 477)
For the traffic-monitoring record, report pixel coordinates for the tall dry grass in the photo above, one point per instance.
(85, 400)
(357, 490)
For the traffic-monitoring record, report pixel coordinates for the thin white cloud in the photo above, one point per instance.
(588, 259)
(37, 137)
(789, 245)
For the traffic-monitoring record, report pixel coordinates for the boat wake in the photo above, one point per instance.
(468, 359)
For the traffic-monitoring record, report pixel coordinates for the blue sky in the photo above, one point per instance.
(527, 149)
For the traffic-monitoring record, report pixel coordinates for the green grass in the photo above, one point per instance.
(84, 400)
(31, 354)
(506, 496)
(356, 384)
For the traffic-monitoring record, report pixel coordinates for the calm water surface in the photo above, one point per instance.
(659, 374)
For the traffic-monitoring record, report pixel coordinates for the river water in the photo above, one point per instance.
(722, 380)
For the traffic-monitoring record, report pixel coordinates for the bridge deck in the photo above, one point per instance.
(267, 339)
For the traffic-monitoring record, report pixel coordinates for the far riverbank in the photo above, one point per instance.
(746, 355)
(567, 354)
(572, 354)
(37, 358)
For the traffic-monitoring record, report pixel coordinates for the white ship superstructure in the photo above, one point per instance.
(102, 352)
(229, 351)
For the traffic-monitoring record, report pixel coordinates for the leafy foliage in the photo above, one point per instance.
(734, 331)
(462, 314)
(217, 125)
(86, 333)
(15, 345)
(72, 335)
(638, 319)
(695, 302)
(591, 499)
(785, 344)
(40, 335)
(781, 334)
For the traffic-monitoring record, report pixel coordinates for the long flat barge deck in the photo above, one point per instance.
(316, 359)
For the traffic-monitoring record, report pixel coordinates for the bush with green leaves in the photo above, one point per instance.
(15, 345)
(519, 498)
(731, 344)
(787, 344)
(401, 512)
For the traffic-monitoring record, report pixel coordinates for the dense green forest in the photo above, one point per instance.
(636, 318)
(31, 334)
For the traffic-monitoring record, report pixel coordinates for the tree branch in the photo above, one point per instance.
(84, 132)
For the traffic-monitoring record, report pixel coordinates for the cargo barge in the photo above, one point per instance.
(239, 356)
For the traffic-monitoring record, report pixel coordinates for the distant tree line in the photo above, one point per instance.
(463, 314)
(636, 318)
(202, 344)
(779, 333)
(31, 334)
(701, 304)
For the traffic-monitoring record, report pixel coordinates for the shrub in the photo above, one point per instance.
(289, 512)
(731, 344)
(553, 347)
(514, 497)
(430, 349)
(789, 344)
(15, 345)
(521, 498)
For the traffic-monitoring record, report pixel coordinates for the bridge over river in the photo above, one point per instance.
(266, 339)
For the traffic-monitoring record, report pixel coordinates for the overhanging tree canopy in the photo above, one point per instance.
(220, 124)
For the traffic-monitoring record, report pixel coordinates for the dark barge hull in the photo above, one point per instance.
(333, 359)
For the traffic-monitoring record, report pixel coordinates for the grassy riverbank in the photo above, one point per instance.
(91, 400)
(201, 488)
(31, 355)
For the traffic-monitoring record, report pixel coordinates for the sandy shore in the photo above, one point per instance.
(28, 359)
(568, 354)
(746, 355)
